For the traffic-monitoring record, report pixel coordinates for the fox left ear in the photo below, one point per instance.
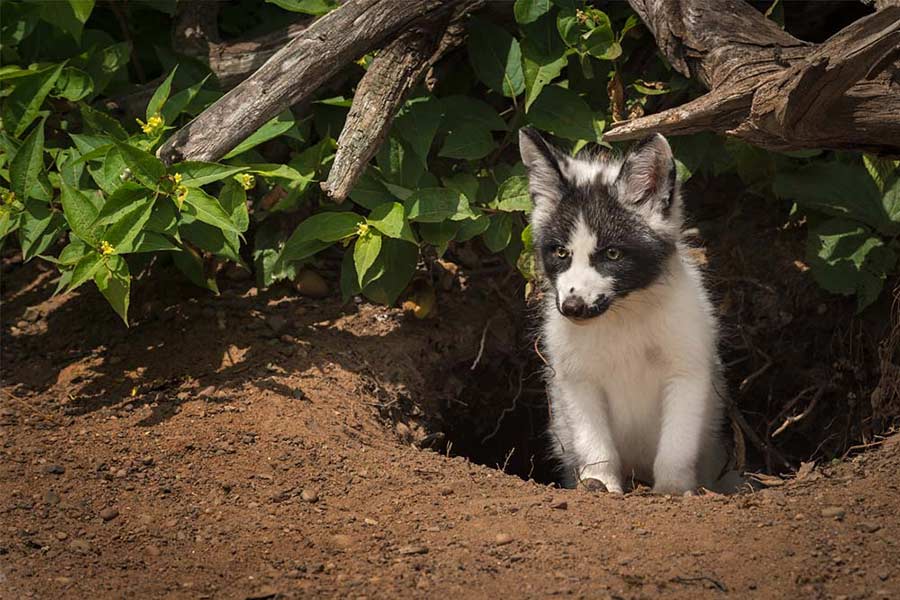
(648, 176)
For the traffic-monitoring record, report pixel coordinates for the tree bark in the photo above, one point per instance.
(394, 73)
(294, 73)
(771, 89)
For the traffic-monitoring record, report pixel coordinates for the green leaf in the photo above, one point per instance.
(365, 250)
(207, 209)
(209, 238)
(101, 123)
(464, 183)
(198, 173)
(538, 74)
(418, 123)
(150, 241)
(474, 112)
(390, 219)
(163, 217)
(307, 7)
(440, 234)
(496, 58)
(84, 269)
(68, 16)
(891, 201)
(120, 203)
(528, 11)
(80, 213)
(838, 189)
(513, 195)
(154, 107)
(882, 170)
(268, 131)
(369, 191)
(468, 142)
(330, 226)
(397, 265)
(122, 233)
(73, 84)
(110, 175)
(28, 164)
(562, 112)
(433, 205)
(180, 101)
(233, 199)
(846, 258)
(470, 228)
(499, 233)
(82, 9)
(20, 108)
(114, 282)
(189, 262)
(399, 164)
(144, 167)
(601, 42)
(73, 252)
(105, 64)
(38, 228)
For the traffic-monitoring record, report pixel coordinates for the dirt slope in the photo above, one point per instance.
(259, 446)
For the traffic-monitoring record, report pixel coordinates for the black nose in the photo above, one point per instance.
(573, 306)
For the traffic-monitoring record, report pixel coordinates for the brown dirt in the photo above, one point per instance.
(171, 460)
(263, 445)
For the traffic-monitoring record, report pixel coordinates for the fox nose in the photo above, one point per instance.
(573, 306)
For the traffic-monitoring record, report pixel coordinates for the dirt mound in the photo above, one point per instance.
(260, 445)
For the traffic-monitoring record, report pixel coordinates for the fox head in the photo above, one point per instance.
(603, 227)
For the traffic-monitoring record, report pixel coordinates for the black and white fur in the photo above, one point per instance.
(628, 329)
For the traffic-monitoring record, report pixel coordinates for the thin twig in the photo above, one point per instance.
(508, 409)
(797, 418)
(481, 345)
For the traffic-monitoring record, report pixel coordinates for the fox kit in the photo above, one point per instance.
(628, 329)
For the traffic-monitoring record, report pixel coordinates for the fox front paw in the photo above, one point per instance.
(595, 485)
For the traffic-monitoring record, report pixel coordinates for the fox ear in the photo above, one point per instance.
(545, 164)
(648, 177)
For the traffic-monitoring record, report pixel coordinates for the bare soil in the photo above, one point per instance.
(263, 445)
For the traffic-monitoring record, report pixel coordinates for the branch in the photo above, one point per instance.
(770, 89)
(394, 73)
(294, 73)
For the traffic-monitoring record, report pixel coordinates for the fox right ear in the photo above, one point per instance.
(544, 163)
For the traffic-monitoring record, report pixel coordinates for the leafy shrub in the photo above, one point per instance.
(447, 175)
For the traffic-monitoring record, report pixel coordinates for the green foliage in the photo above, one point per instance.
(83, 189)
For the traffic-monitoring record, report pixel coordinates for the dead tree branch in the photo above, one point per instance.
(394, 73)
(771, 89)
(294, 73)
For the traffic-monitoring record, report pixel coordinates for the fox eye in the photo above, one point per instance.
(561, 252)
(613, 253)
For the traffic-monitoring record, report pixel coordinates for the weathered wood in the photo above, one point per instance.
(294, 73)
(771, 89)
(393, 74)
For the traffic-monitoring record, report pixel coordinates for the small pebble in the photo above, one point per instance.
(309, 495)
(869, 527)
(559, 504)
(411, 550)
(108, 514)
(501, 539)
(54, 469)
(833, 512)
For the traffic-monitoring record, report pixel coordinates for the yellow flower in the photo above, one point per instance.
(362, 229)
(153, 126)
(181, 193)
(177, 178)
(247, 181)
(9, 197)
(106, 249)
